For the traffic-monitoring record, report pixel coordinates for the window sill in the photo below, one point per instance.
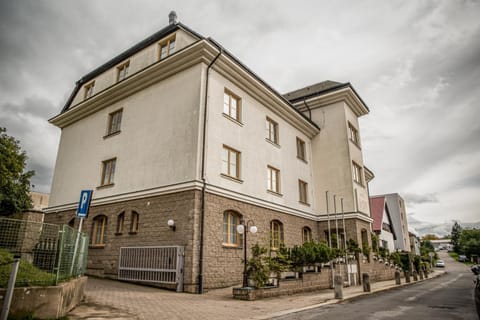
(232, 119)
(304, 203)
(106, 186)
(112, 134)
(96, 246)
(356, 144)
(225, 176)
(275, 193)
(303, 160)
(359, 183)
(231, 246)
(273, 143)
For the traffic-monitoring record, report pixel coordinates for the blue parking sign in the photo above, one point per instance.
(84, 203)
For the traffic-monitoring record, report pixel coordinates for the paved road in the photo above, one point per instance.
(447, 297)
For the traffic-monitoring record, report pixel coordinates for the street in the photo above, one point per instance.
(446, 297)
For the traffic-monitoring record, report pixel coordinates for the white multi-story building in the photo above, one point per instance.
(177, 128)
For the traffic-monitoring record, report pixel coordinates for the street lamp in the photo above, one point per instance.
(243, 228)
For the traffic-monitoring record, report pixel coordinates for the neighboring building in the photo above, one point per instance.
(414, 243)
(398, 215)
(176, 128)
(382, 223)
(39, 200)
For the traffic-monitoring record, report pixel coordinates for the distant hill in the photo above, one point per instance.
(439, 229)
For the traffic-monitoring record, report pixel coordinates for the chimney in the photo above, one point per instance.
(172, 17)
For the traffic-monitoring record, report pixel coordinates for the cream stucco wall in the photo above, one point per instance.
(249, 138)
(138, 61)
(157, 145)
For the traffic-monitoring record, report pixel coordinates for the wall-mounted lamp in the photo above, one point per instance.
(171, 224)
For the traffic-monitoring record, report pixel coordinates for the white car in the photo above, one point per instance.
(440, 264)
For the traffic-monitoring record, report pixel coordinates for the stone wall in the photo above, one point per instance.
(309, 282)
(223, 265)
(154, 212)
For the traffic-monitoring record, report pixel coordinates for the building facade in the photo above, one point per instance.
(398, 215)
(177, 128)
(382, 223)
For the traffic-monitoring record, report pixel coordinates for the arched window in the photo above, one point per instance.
(306, 234)
(134, 222)
(364, 238)
(231, 220)
(120, 222)
(276, 234)
(98, 230)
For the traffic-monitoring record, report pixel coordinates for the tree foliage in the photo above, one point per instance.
(456, 232)
(14, 180)
(469, 242)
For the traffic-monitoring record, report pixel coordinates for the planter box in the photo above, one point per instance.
(47, 302)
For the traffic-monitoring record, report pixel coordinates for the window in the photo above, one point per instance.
(276, 234)
(231, 220)
(303, 191)
(306, 234)
(353, 134)
(231, 162)
(108, 171)
(134, 222)
(122, 71)
(273, 179)
(89, 90)
(120, 222)
(98, 230)
(272, 130)
(231, 105)
(114, 122)
(167, 47)
(301, 153)
(357, 173)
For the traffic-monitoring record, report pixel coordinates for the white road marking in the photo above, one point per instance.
(441, 285)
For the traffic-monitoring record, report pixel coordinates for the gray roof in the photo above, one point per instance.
(312, 89)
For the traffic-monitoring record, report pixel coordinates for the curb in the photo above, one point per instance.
(352, 297)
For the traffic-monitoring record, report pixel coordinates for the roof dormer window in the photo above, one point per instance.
(89, 89)
(167, 47)
(122, 71)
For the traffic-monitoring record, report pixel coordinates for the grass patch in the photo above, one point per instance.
(28, 275)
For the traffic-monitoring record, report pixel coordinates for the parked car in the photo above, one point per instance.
(440, 264)
(462, 258)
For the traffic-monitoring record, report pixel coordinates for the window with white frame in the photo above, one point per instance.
(272, 130)
(357, 173)
(273, 179)
(231, 162)
(231, 105)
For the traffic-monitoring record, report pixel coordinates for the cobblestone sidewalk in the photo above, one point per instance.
(107, 299)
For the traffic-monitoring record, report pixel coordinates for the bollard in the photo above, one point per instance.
(415, 276)
(420, 273)
(397, 277)
(366, 282)
(338, 287)
(407, 276)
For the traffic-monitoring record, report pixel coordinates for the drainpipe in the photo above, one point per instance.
(308, 107)
(204, 183)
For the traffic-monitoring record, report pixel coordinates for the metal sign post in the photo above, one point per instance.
(82, 213)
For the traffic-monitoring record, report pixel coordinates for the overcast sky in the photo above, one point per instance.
(415, 63)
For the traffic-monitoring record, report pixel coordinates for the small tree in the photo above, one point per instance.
(14, 180)
(456, 232)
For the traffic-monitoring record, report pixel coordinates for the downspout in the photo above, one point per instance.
(204, 183)
(308, 107)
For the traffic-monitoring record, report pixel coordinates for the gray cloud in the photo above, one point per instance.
(416, 64)
(413, 199)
